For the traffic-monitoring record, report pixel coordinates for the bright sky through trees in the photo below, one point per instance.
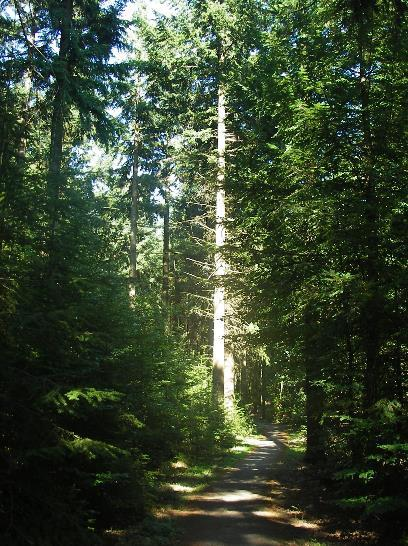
(149, 8)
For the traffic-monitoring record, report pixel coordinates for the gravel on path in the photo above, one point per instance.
(242, 508)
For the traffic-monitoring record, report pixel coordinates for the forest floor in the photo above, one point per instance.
(262, 495)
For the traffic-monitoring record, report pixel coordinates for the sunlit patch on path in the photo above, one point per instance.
(242, 508)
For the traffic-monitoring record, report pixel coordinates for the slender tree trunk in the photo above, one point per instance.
(350, 356)
(219, 291)
(397, 369)
(54, 179)
(244, 392)
(25, 115)
(4, 139)
(263, 390)
(229, 381)
(166, 249)
(350, 367)
(223, 361)
(373, 377)
(27, 84)
(314, 412)
(3, 131)
(134, 212)
(315, 448)
(229, 362)
(24, 121)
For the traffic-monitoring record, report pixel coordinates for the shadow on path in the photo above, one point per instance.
(241, 509)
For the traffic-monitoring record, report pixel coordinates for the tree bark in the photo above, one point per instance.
(166, 249)
(315, 443)
(229, 381)
(4, 139)
(263, 390)
(371, 310)
(61, 71)
(244, 387)
(398, 375)
(27, 85)
(134, 212)
(219, 291)
(351, 366)
(24, 121)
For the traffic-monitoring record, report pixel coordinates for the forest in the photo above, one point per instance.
(203, 224)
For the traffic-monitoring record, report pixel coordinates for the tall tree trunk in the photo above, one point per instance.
(134, 212)
(24, 121)
(3, 129)
(219, 291)
(397, 369)
(244, 388)
(61, 71)
(166, 248)
(373, 377)
(350, 356)
(314, 412)
(223, 360)
(263, 390)
(315, 444)
(229, 380)
(351, 366)
(27, 84)
(4, 140)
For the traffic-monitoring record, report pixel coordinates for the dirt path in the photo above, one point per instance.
(243, 508)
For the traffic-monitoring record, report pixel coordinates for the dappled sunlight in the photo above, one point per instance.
(256, 442)
(234, 496)
(269, 513)
(215, 512)
(282, 516)
(179, 488)
(178, 464)
(243, 508)
(304, 524)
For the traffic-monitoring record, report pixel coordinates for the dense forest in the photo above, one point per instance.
(203, 222)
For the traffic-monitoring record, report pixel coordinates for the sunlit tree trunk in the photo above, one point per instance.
(223, 361)
(219, 291)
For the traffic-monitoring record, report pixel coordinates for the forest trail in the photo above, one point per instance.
(245, 508)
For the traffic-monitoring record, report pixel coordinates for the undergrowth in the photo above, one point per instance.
(188, 473)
